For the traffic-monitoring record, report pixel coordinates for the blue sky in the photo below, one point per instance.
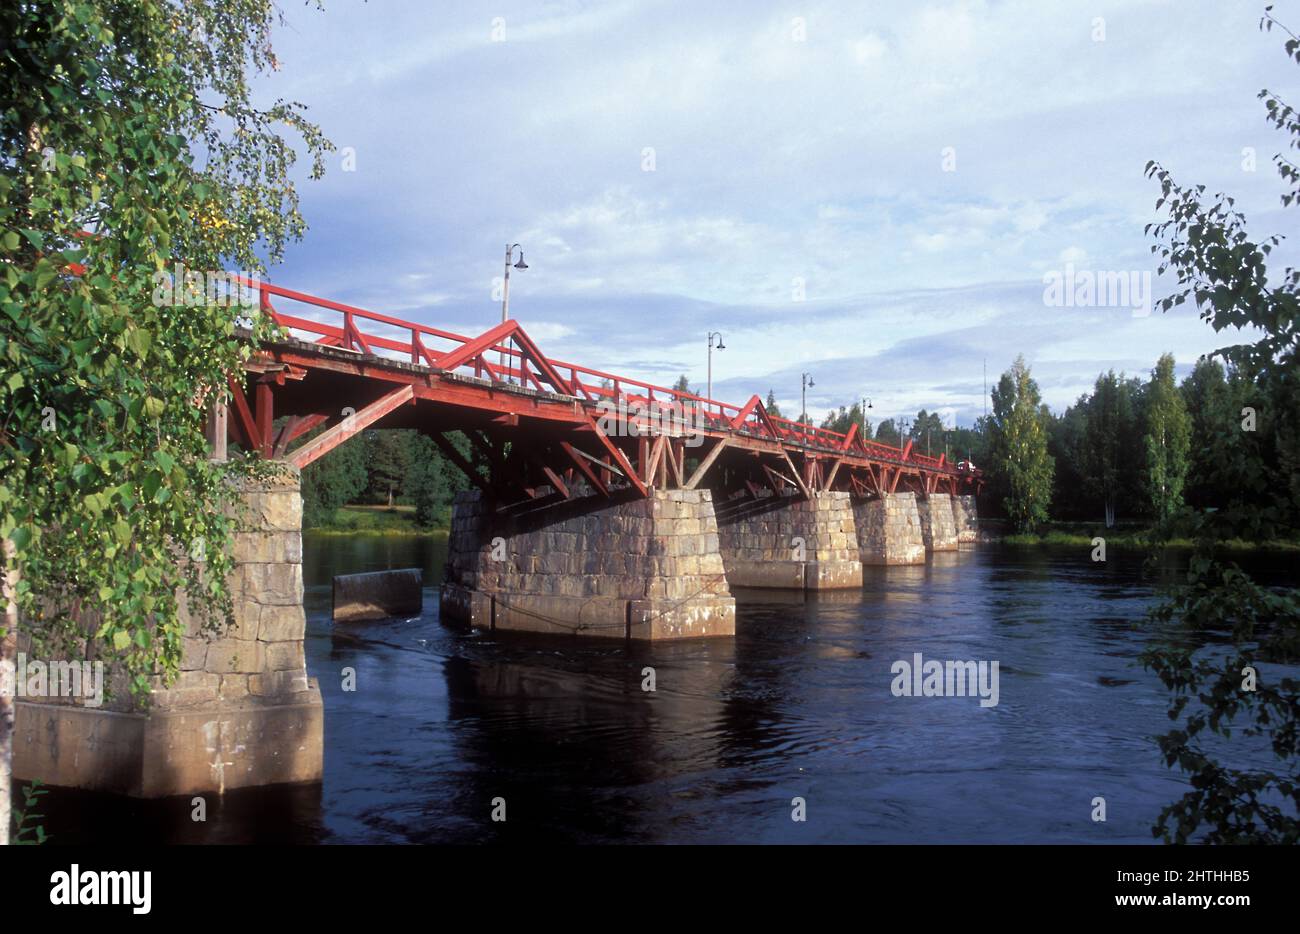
(913, 169)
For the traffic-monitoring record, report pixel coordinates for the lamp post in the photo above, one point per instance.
(708, 393)
(866, 404)
(505, 288)
(807, 381)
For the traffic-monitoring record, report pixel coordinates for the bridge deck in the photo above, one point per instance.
(571, 426)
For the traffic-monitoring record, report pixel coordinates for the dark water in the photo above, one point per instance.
(797, 705)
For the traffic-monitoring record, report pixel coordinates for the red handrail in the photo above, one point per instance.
(585, 381)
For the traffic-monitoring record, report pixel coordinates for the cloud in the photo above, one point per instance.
(798, 200)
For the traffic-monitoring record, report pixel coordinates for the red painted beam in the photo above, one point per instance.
(328, 440)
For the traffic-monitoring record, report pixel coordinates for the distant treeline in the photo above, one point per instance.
(1135, 448)
(392, 467)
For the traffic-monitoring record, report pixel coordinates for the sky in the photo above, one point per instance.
(875, 194)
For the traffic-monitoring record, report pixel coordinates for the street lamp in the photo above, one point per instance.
(708, 393)
(866, 404)
(807, 381)
(505, 288)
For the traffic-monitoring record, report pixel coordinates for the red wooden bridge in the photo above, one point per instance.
(547, 429)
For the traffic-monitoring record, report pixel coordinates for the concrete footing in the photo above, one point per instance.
(792, 543)
(242, 712)
(889, 530)
(938, 526)
(378, 594)
(645, 568)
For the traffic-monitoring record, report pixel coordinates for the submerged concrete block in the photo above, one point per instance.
(379, 594)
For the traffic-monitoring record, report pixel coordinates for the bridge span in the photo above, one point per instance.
(608, 507)
(619, 507)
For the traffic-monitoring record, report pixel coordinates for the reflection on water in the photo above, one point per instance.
(443, 721)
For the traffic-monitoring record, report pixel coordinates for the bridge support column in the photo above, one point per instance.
(965, 518)
(792, 543)
(889, 529)
(242, 712)
(938, 526)
(646, 568)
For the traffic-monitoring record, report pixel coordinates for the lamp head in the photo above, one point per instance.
(521, 264)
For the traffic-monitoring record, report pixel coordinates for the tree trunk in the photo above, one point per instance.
(8, 652)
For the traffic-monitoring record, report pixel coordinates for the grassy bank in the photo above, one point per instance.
(376, 520)
(1081, 535)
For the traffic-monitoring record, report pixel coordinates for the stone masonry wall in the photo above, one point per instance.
(802, 544)
(646, 568)
(889, 530)
(965, 518)
(242, 711)
(938, 527)
(261, 656)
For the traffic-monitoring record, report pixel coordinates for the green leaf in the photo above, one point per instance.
(21, 537)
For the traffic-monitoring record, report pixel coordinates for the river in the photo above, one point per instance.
(797, 705)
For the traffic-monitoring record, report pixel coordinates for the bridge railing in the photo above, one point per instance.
(421, 344)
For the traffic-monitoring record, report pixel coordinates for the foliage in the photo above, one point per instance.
(430, 479)
(133, 122)
(387, 467)
(841, 421)
(1020, 468)
(336, 479)
(1204, 241)
(1167, 440)
(26, 814)
(927, 432)
(388, 461)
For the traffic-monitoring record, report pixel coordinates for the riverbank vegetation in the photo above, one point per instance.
(1239, 689)
(394, 480)
(130, 142)
(1211, 465)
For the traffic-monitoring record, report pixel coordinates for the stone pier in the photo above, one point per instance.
(889, 529)
(965, 518)
(938, 525)
(242, 712)
(644, 568)
(792, 543)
